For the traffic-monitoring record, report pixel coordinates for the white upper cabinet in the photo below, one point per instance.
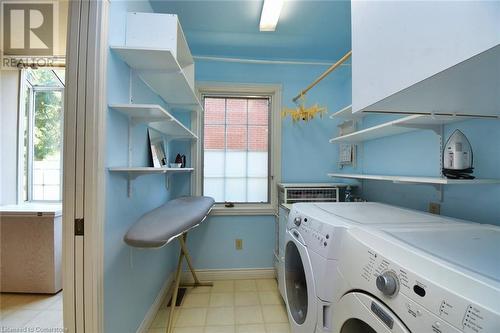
(156, 48)
(426, 57)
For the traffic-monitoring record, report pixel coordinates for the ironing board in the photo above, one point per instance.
(166, 223)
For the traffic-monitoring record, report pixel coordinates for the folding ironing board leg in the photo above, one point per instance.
(184, 249)
(177, 282)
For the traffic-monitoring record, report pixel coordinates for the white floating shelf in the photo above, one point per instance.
(155, 117)
(346, 114)
(399, 126)
(134, 172)
(159, 69)
(417, 180)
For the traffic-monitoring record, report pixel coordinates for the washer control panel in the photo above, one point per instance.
(388, 283)
(318, 237)
(412, 296)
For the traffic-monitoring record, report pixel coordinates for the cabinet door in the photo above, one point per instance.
(396, 44)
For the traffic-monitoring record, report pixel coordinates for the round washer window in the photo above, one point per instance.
(296, 285)
(355, 325)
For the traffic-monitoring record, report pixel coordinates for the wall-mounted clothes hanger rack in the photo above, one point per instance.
(322, 76)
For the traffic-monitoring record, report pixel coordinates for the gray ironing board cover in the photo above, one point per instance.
(159, 226)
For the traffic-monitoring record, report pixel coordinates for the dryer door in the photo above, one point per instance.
(361, 313)
(299, 285)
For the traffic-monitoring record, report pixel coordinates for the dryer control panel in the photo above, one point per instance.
(320, 237)
(402, 283)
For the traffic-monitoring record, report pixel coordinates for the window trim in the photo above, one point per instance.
(273, 91)
(23, 84)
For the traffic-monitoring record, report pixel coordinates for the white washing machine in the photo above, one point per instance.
(438, 279)
(313, 244)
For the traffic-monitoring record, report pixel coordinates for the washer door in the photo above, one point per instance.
(362, 313)
(299, 285)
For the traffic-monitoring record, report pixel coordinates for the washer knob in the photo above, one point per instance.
(297, 221)
(388, 284)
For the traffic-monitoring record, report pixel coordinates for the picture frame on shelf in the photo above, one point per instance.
(157, 147)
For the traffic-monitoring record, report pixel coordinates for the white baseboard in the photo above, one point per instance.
(165, 291)
(229, 274)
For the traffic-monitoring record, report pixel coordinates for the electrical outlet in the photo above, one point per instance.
(238, 243)
(434, 208)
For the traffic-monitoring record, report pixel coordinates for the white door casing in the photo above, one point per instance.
(83, 166)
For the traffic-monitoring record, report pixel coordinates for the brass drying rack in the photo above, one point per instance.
(322, 76)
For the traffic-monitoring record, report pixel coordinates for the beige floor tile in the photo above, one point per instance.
(274, 314)
(270, 298)
(267, 284)
(220, 316)
(194, 329)
(4, 298)
(246, 298)
(278, 328)
(245, 285)
(47, 319)
(200, 290)
(248, 315)
(224, 286)
(254, 328)
(196, 300)
(191, 317)
(19, 318)
(29, 301)
(57, 305)
(221, 299)
(220, 329)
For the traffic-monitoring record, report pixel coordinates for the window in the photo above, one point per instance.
(236, 151)
(42, 122)
(240, 150)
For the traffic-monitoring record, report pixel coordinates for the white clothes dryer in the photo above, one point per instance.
(313, 244)
(438, 279)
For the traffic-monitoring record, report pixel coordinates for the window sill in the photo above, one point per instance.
(220, 209)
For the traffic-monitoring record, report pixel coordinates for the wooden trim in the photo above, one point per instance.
(325, 74)
(84, 149)
(273, 90)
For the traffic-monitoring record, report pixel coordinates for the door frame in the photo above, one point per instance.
(83, 165)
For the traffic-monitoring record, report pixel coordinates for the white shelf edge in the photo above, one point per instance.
(148, 169)
(178, 70)
(398, 126)
(168, 117)
(346, 114)
(417, 179)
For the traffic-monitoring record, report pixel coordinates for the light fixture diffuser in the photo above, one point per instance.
(270, 15)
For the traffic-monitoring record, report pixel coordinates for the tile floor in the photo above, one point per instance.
(239, 306)
(39, 312)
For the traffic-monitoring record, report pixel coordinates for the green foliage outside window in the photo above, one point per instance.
(47, 112)
(48, 120)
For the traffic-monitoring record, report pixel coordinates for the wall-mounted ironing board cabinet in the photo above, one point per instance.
(162, 225)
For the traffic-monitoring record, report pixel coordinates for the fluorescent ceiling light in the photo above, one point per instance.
(270, 14)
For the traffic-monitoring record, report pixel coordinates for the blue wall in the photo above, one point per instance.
(132, 277)
(306, 157)
(417, 154)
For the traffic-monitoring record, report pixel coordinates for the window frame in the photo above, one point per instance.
(29, 127)
(271, 91)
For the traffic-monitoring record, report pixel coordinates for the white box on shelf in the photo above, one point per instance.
(160, 31)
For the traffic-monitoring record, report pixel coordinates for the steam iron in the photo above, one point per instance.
(458, 157)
